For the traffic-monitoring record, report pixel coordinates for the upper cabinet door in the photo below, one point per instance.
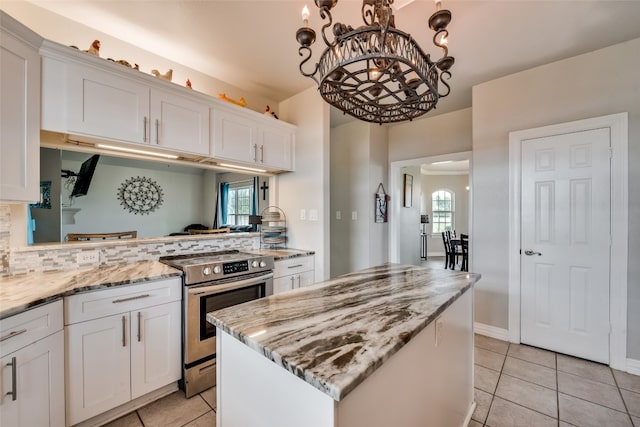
(104, 105)
(19, 119)
(235, 137)
(276, 147)
(179, 123)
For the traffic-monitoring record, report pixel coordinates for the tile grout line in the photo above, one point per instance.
(624, 403)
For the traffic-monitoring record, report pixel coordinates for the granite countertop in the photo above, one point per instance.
(21, 292)
(335, 334)
(281, 254)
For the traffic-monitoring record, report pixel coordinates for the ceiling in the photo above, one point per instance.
(449, 167)
(251, 44)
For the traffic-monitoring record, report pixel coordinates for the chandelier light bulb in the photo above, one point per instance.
(305, 15)
(438, 4)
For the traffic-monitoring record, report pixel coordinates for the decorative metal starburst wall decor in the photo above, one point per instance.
(140, 195)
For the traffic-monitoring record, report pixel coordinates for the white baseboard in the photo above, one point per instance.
(491, 331)
(467, 419)
(431, 254)
(633, 366)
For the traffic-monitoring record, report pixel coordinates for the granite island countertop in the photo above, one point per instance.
(336, 333)
(21, 292)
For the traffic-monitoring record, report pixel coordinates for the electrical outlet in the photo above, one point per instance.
(88, 257)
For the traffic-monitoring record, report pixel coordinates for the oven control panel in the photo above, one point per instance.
(235, 267)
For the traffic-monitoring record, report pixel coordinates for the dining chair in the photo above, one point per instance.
(76, 237)
(464, 246)
(447, 249)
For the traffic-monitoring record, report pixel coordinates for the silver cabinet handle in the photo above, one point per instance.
(117, 301)
(139, 330)
(262, 154)
(295, 266)
(13, 334)
(255, 152)
(124, 331)
(14, 383)
(144, 128)
(292, 283)
(529, 252)
(298, 280)
(157, 131)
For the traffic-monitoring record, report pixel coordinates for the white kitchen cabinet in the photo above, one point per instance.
(100, 100)
(32, 368)
(179, 122)
(103, 104)
(293, 273)
(251, 139)
(122, 343)
(19, 112)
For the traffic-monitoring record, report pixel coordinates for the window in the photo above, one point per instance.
(239, 203)
(442, 210)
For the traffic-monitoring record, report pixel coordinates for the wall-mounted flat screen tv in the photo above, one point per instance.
(81, 187)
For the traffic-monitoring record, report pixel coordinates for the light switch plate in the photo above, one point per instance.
(303, 214)
(313, 214)
(354, 215)
(338, 215)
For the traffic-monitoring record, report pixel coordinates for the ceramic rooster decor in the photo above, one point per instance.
(268, 112)
(241, 102)
(94, 49)
(166, 76)
(188, 84)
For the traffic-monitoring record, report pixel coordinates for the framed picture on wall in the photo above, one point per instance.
(408, 190)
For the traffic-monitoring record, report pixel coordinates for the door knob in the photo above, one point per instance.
(529, 252)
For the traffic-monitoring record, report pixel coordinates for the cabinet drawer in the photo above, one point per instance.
(293, 266)
(93, 305)
(30, 326)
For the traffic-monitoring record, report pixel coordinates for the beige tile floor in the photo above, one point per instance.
(174, 410)
(518, 385)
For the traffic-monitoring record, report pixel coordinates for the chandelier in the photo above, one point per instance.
(376, 72)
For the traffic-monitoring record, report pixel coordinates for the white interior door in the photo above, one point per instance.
(565, 226)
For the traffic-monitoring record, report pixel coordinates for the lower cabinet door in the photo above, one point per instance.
(97, 366)
(283, 284)
(306, 278)
(37, 379)
(155, 347)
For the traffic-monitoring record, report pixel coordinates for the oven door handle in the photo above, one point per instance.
(214, 289)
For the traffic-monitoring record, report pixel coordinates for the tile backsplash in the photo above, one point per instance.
(64, 256)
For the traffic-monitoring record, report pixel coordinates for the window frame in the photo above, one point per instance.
(435, 214)
(234, 188)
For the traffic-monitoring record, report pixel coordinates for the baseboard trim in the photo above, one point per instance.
(472, 409)
(130, 406)
(633, 366)
(491, 331)
(432, 254)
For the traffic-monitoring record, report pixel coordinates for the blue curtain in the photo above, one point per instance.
(256, 189)
(224, 197)
(254, 204)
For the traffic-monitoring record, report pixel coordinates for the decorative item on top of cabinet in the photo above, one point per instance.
(273, 232)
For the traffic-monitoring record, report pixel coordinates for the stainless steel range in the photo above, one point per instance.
(212, 281)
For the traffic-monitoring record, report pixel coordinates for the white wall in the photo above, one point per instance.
(457, 184)
(409, 220)
(358, 165)
(599, 83)
(101, 211)
(431, 136)
(308, 187)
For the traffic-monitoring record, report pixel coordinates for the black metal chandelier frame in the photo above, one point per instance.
(376, 72)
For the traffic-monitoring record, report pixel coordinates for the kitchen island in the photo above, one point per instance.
(389, 345)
